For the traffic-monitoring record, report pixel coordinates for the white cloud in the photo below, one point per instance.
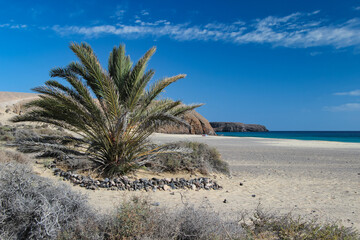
(350, 93)
(119, 12)
(313, 54)
(144, 12)
(348, 107)
(296, 30)
(13, 26)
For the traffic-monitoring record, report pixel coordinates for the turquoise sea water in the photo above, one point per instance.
(338, 136)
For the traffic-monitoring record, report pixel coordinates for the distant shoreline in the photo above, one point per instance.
(324, 136)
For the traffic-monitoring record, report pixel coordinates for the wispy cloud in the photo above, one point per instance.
(296, 30)
(348, 107)
(350, 93)
(119, 12)
(13, 26)
(315, 53)
(144, 12)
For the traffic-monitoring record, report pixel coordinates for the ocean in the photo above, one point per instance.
(338, 136)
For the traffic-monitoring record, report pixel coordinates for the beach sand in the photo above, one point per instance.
(312, 178)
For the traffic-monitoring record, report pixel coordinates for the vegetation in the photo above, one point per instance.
(193, 157)
(113, 128)
(33, 207)
(176, 157)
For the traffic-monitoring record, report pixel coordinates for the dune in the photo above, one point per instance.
(10, 98)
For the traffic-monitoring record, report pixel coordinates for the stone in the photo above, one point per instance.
(138, 185)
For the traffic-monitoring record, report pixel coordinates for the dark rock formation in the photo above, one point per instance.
(237, 127)
(199, 125)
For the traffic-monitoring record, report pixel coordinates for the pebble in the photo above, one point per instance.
(241, 184)
(253, 195)
(123, 183)
(224, 201)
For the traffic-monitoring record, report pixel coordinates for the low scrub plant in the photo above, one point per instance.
(190, 156)
(265, 225)
(10, 156)
(32, 207)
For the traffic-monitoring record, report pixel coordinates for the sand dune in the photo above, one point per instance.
(10, 98)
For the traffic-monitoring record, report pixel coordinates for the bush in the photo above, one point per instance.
(270, 226)
(33, 208)
(21, 133)
(198, 157)
(8, 156)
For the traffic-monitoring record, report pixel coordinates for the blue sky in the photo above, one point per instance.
(290, 65)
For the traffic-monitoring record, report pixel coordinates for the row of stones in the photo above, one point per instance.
(124, 183)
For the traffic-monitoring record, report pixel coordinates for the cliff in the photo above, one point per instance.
(199, 125)
(237, 127)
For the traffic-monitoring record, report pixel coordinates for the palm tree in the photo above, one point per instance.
(113, 111)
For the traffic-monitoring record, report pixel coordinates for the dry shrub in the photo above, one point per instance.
(34, 208)
(190, 223)
(265, 225)
(198, 157)
(8, 156)
(5, 134)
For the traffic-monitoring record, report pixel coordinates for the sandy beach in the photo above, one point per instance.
(312, 178)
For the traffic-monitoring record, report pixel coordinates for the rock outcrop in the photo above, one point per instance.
(199, 125)
(237, 127)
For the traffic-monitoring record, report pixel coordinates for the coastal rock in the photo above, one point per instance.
(198, 125)
(237, 127)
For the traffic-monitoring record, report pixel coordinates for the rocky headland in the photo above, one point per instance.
(237, 127)
(198, 125)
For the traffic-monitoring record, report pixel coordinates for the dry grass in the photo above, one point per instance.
(9, 156)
